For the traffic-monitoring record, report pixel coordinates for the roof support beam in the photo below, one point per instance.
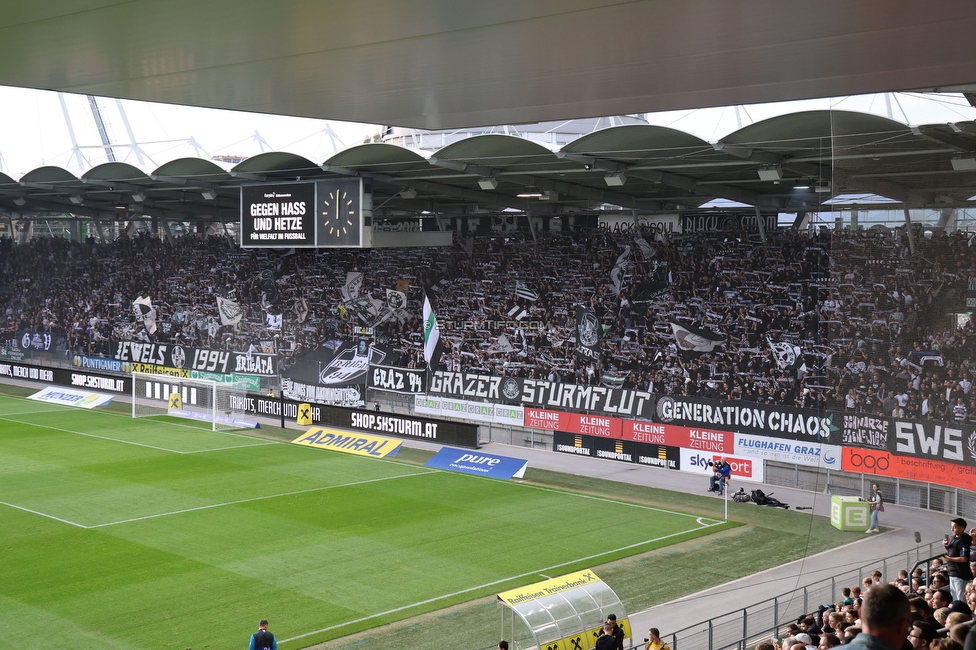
(567, 189)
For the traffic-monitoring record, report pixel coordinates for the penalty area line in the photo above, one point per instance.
(428, 601)
(43, 514)
(92, 435)
(210, 506)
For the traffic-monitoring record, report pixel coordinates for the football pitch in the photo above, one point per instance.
(122, 533)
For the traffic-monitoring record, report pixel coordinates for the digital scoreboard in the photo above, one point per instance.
(309, 214)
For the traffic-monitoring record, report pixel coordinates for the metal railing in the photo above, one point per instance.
(743, 628)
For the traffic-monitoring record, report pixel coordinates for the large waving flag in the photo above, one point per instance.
(787, 355)
(694, 340)
(432, 336)
(230, 312)
(145, 312)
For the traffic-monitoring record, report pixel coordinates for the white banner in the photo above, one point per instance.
(69, 397)
(471, 411)
(810, 454)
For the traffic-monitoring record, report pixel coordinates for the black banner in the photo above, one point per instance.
(588, 328)
(861, 430)
(614, 449)
(572, 443)
(748, 417)
(185, 358)
(725, 222)
(543, 394)
(950, 441)
(62, 377)
(334, 373)
(397, 380)
(657, 455)
(37, 341)
(388, 424)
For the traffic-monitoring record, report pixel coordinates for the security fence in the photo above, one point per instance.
(746, 627)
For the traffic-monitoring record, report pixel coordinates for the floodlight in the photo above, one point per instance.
(139, 197)
(964, 164)
(488, 183)
(76, 199)
(408, 193)
(20, 201)
(209, 195)
(615, 180)
(770, 173)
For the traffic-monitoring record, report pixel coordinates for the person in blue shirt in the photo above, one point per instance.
(721, 473)
(262, 639)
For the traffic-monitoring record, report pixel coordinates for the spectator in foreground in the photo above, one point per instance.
(654, 641)
(885, 619)
(957, 558)
(921, 635)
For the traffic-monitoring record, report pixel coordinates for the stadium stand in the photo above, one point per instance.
(868, 319)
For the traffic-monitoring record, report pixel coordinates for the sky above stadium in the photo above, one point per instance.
(41, 127)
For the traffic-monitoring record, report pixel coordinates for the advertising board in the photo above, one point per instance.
(280, 215)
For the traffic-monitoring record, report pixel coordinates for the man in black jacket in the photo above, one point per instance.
(262, 639)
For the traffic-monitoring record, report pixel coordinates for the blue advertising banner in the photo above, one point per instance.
(471, 462)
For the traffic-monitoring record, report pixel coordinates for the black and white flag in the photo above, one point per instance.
(694, 340)
(646, 250)
(230, 312)
(517, 313)
(525, 293)
(145, 312)
(787, 355)
(352, 287)
(588, 331)
(301, 310)
(273, 321)
(395, 300)
(618, 271)
(501, 345)
(268, 286)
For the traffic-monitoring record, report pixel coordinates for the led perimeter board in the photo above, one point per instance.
(309, 214)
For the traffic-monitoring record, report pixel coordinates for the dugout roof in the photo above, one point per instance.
(789, 163)
(436, 64)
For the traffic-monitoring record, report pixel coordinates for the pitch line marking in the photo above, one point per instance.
(493, 583)
(92, 435)
(42, 514)
(257, 444)
(616, 501)
(260, 498)
(138, 444)
(33, 412)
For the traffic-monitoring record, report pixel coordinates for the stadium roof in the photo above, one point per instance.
(793, 162)
(438, 64)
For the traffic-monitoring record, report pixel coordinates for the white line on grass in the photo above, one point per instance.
(257, 444)
(493, 583)
(609, 500)
(34, 412)
(42, 514)
(129, 417)
(141, 444)
(92, 435)
(261, 498)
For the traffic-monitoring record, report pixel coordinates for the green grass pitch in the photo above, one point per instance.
(122, 533)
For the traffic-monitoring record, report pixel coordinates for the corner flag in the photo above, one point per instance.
(432, 335)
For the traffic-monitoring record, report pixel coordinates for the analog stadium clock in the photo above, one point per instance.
(339, 219)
